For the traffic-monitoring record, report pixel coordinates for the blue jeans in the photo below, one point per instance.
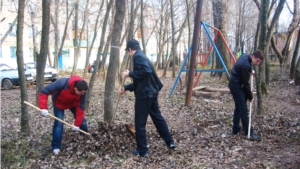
(143, 108)
(59, 126)
(240, 111)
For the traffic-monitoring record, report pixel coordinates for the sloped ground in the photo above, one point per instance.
(202, 132)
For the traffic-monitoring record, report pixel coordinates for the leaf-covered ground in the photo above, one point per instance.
(201, 131)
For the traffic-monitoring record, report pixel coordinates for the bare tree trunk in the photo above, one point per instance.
(56, 57)
(176, 43)
(162, 35)
(113, 62)
(142, 27)
(189, 39)
(55, 23)
(25, 128)
(173, 38)
(220, 21)
(297, 72)
(96, 66)
(292, 28)
(294, 59)
(34, 32)
(126, 58)
(77, 49)
(41, 58)
(89, 51)
(76, 45)
(261, 87)
(269, 36)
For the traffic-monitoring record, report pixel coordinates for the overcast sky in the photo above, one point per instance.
(286, 16)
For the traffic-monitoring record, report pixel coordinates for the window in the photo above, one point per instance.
(0, 51)
(13, 32)
(13, 52)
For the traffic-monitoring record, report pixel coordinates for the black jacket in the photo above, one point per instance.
(145, 84)
(240, 75)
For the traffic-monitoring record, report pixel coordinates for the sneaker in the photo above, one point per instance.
(56, 151)
(172, 145)
(135, 152)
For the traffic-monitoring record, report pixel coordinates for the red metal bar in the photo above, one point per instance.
(207, 56)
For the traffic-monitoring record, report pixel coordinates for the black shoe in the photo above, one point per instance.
(254, 137)
(235, 132)
(135, 152)
(172, 146)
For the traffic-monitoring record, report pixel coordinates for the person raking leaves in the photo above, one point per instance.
(67, 93)
(146, 86)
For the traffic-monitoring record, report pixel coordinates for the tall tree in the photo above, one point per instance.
(284, 55)
(173, 37)
(295, 67)
(162, 32)
(126, 58)
(25, 128)
(78, 39)
(33, 10)
(260, 78)
(42, 56)
(90, 47)
(113, 61)
(142, 27)
(100, 48)
(55, 21)
(220, 21)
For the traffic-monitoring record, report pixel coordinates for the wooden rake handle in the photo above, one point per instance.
(29, 104)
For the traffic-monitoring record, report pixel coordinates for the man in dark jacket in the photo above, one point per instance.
(67, 93)
(240, 89)
(146, 86)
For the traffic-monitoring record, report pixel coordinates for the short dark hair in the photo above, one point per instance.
(81, 85)
(258, 54)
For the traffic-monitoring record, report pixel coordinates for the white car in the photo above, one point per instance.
(50, 73)
(10, 76)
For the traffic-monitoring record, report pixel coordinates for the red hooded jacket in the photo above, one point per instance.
(64, 97)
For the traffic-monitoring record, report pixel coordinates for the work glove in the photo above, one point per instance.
(44, 112)
(75, 128)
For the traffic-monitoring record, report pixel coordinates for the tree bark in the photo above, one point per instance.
(261, 87)
(295, 69)
(113, 62)
(142, 27)
(173, 38)
(42, 56)
(89, 50)
(269, 36)
(78, 46)
(56, 57)
(96, 66)
(25, 128)
(220, 21)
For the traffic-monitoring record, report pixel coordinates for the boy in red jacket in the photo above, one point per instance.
(67, 93)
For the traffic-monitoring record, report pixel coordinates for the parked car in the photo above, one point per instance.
(50, 73)
(10, 76)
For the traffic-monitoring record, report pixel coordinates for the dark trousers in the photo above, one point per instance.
(143, 108)
(240, 111)
(59, 126)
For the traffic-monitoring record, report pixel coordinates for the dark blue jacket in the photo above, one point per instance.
(145, 84)
(240, 75)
